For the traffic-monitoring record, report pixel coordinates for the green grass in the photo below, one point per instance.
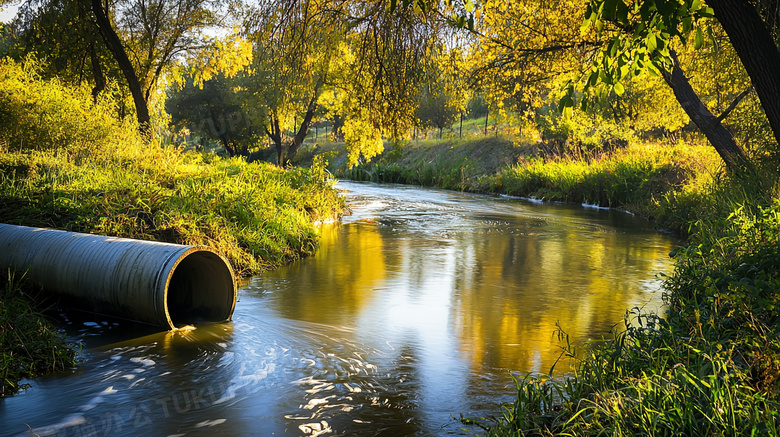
(665, 183)
(256, 215)
(30, 345)
(97, 175)
(463, 165)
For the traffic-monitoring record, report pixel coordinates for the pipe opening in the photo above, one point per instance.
(201, 289)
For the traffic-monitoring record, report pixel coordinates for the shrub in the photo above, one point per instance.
(37, 114)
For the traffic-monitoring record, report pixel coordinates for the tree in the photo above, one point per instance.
(640, 35)
(63, 32)
(756, 48)
(444, 95)
(144, 37)
(370, 56)
(213, 112)
(292, 60)
(435, 109)
(522, 51)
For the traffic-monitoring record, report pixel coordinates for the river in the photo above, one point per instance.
(414, 310)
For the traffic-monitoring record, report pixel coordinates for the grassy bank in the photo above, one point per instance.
(666, 183)
(711, 366)
(29, 343)
(256, 215)
(67, 162)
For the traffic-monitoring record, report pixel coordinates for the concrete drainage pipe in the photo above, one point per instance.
(163, 284)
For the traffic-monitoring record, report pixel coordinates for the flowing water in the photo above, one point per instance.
(413, 311)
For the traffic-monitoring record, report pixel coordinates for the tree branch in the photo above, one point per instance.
(734, 104)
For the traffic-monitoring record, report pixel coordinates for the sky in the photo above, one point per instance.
(7, 13)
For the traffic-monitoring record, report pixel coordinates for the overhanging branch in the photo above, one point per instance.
(734, 103)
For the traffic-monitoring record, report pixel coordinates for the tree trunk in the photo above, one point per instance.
(275, 134)
(231, 152)
(720, 138)
(757, 51)
(97, 73)
(304, 129)
(114, 44)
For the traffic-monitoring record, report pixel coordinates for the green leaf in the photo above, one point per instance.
(593, 79)
(608, 9)
(706, 12)
(618, 88)
(695, 5)
(613, 47)
(653, 70)
(687, 23)
(621, 13)
(565, 102)
(644, 11)
(624, 70)
(605, 77)
(666, 8)
(699, 39)
(652, 42)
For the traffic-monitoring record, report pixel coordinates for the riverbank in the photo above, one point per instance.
(667, 184)
(711, 366)
(30, 345)
(67, 163)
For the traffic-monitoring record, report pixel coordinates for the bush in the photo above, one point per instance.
(38, 114)
(582, 134)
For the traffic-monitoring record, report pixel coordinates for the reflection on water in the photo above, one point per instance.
(413, 311)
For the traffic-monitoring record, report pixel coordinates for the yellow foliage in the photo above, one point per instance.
(227, 56)
(361, 137)
(46, 114)
(524, 48)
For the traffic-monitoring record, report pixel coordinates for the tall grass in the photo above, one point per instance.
(257, 215)
(666, 183)
(30, 345)
(464, 165)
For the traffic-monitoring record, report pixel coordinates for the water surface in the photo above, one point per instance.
(413, 311)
